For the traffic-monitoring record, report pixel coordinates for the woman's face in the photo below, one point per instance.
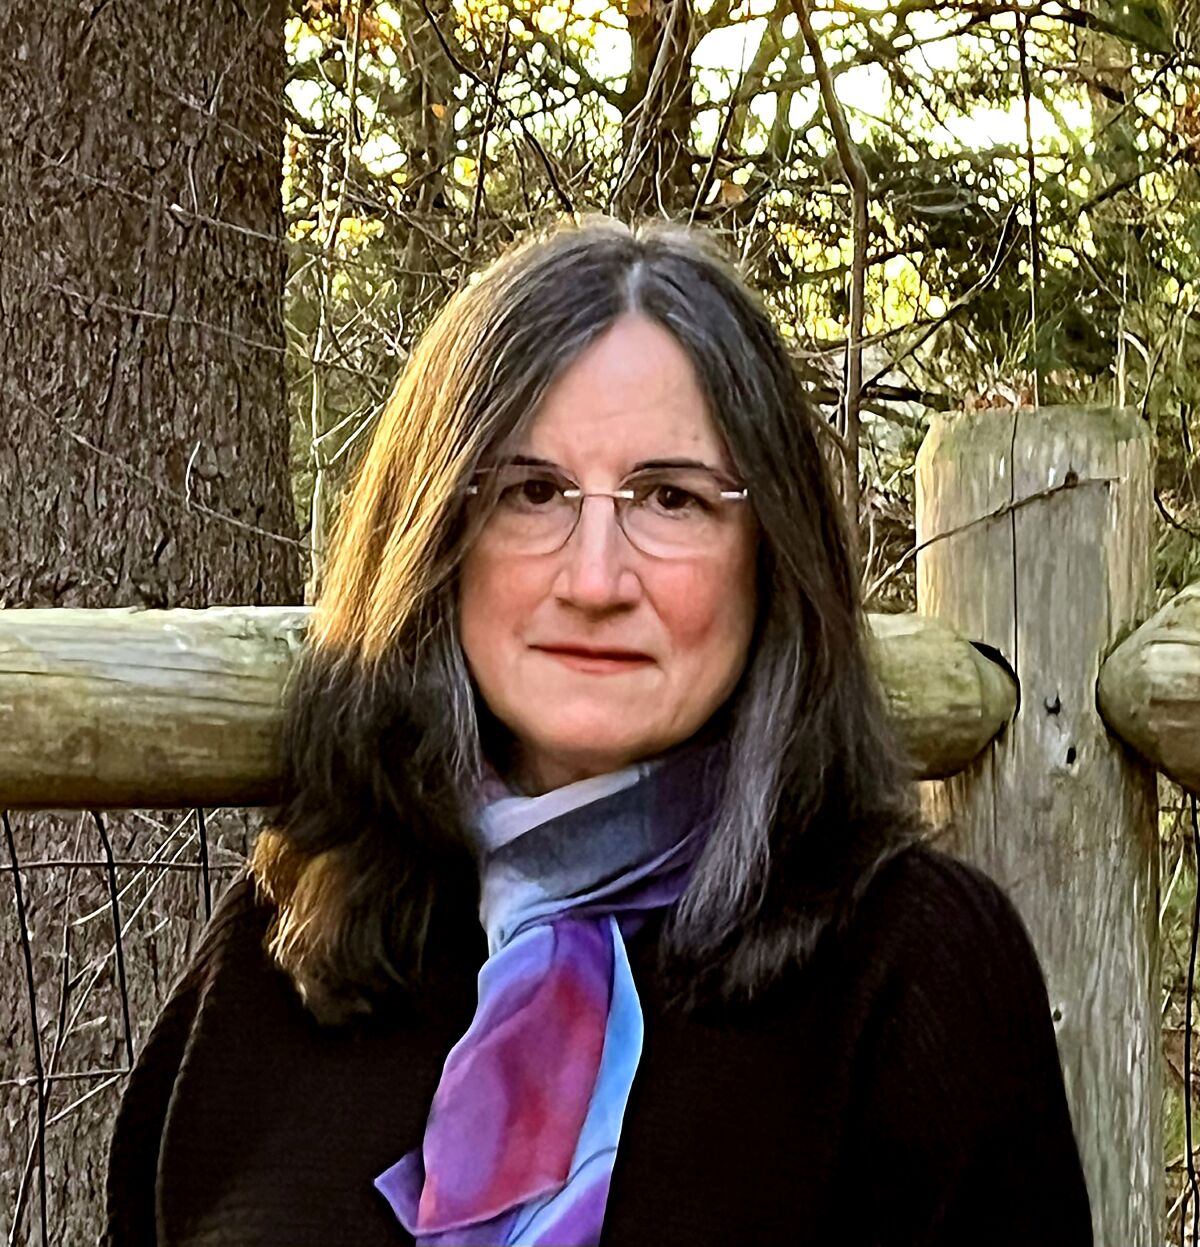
(685, 622)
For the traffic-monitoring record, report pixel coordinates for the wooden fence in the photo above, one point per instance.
(1037, 689)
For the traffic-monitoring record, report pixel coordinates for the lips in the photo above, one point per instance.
(595, 662)
(582, 651)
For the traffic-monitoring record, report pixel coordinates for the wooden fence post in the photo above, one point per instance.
(1040, 521)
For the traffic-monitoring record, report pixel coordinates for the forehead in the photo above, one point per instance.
(633, 394)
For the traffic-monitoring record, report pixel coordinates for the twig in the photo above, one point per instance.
(83, 1075)
(1003, 250)
(1174, 523)
(34, 1026)
(1035, 250)
(489, 117)
(83, 1099)
(202, 832)
(660, 94)
(564, 199)
(146, 313)
(118, 943)
(856, 177)
(1193, 1190)
(998, 513)
(122, 863)
(722, 134)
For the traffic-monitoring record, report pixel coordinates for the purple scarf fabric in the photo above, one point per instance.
(524, 1125)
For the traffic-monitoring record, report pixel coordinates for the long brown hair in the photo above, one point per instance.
(367, 860)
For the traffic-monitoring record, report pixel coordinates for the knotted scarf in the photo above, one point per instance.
(523, 1130)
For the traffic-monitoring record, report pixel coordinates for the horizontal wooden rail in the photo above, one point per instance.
(128, 708)
(110, 708)
(1148, 690)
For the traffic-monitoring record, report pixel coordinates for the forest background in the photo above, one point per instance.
(1031, 233)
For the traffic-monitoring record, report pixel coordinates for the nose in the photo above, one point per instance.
(596, 572)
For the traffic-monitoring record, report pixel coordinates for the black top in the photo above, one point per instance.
(902, 1088)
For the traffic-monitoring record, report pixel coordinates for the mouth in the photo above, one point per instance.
(596, 661)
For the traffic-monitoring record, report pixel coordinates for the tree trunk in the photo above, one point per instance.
(144, 464)
(656, 176)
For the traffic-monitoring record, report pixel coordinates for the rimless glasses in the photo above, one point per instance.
(667, 509)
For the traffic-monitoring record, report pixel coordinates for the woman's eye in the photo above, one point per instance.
(669, 497)
(530, 492)
(540, 491)
(673, 498)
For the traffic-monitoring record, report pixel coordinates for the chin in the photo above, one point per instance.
(596, 750)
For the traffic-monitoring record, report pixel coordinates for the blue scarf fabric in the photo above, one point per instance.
(524, 1126)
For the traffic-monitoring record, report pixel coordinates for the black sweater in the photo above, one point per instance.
(902, 1088)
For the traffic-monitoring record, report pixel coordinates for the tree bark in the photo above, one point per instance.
(656, 175)
(144, 464)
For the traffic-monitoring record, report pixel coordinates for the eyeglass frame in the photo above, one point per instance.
(741, 494)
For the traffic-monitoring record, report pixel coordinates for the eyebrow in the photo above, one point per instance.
(645, 465)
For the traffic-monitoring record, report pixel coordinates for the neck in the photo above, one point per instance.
(535, 775)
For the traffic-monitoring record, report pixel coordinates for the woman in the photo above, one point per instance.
(596, 911)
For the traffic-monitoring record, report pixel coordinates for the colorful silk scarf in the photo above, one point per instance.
(523, 1131)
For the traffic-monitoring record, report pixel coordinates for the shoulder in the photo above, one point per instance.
(950, 956)
(233, 942)
(234, 938)
(930, 897)
(231, 953)
(956, 1063)
(230, 959)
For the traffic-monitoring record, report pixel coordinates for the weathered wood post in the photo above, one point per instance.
(1040, 523)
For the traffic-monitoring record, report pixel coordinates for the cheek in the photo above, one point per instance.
(494, 601)
(706, 614)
